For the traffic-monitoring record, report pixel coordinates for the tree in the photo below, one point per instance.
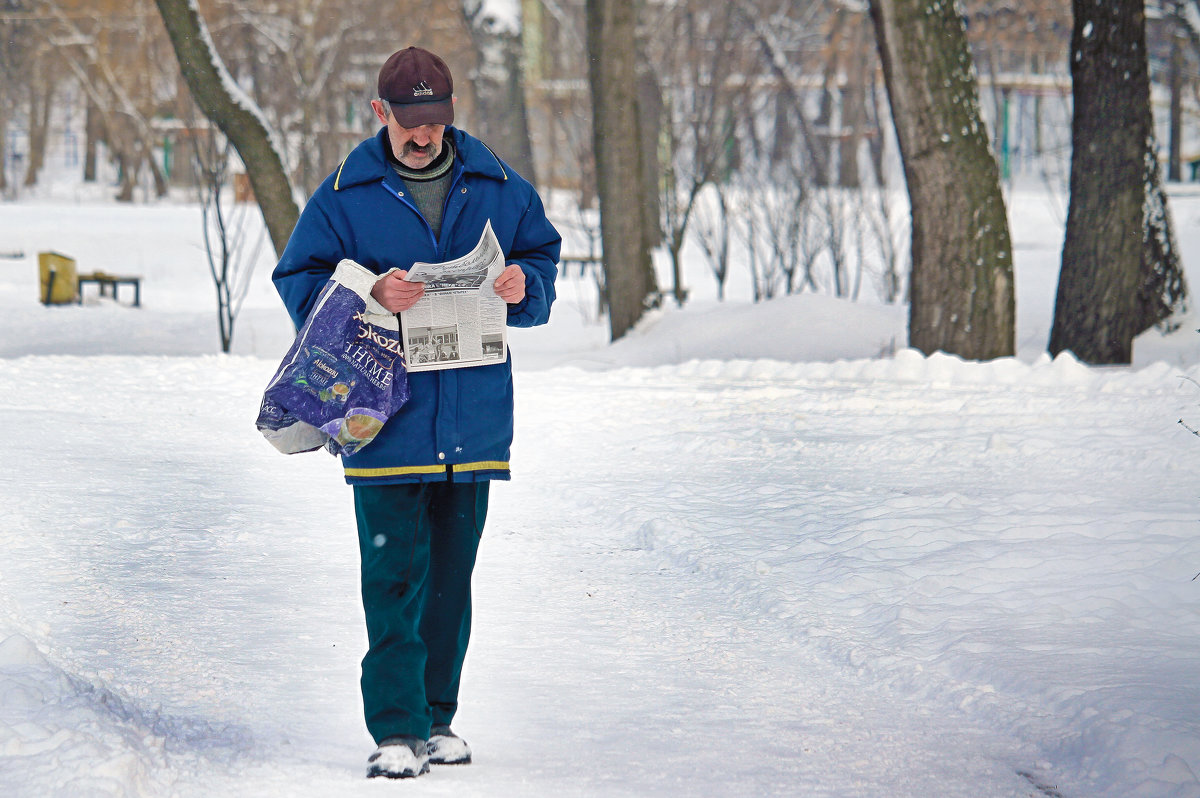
(16, 64)
(779, 37)
(232, 240)
(699, 49)
(43, 82)
(235, 114)
(112, 61)
(498, 79)
(961, 289)
(713, 234)
(310, 47)
(1120, 271)
(616, 135)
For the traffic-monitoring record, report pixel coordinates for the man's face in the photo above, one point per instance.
(415, 147)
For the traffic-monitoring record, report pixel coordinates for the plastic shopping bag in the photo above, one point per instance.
(343, 376)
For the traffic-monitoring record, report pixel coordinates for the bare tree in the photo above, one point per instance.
(1120, 271)
(962, 298)
(39, 99)
(770, 219)
(232, 239)
(833, 206)
(712, 231)
(310, 66)
(855, 117)
(14, 71)
(699, 52)
(887, 230)
(698, 120)
(502, 118)
(842, 116)
(235, 114)
(301, 88)
(111, 64)
(782, 28)
(1175, 40)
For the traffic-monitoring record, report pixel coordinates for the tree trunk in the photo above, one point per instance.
(156, 172)
(521, 147)
(650, 125)
(616, 132)
(853, 102)
(41, 101)
(876, 141)
(1175, 81)
(823, 176)
(962, 277)
(235, 114)
(1120, 273)
(92, 135)
(3, 151)
(127, 168)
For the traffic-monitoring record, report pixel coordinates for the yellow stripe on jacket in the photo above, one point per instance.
(397, 471)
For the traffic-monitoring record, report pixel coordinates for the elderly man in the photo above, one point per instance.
(422, 190)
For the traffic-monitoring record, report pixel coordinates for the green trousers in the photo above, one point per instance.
(418, 544)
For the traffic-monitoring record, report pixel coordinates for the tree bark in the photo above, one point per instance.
(853, 104)
(961, 289)
(235, 114)
(650, 123)
(616, 133)
(92, 135)
(1175, 83)
(1120, 272)
(41, 102)
(521, 148)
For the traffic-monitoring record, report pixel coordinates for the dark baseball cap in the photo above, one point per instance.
(418, 86)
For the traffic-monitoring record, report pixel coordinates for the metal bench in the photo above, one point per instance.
(108, 283)
(582, 263)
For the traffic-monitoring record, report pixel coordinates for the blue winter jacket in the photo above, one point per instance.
(458, 424)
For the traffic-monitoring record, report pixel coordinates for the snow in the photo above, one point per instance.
(749, 550)
(507, 13)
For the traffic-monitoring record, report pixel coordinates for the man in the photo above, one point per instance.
(421, 190)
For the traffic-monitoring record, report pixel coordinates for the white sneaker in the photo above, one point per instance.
(399, 758)
(447, 748)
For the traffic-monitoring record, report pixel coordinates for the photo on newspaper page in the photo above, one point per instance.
(460, 321)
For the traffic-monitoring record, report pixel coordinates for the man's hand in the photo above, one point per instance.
(510, 285)
(395, 293)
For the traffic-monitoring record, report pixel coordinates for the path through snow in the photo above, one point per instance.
(903, 578)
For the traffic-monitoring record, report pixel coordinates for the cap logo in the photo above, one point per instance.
(422, 90)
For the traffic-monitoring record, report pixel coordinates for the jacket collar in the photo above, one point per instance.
(367, 163)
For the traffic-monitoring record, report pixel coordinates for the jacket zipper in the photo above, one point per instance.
(445, 204)
(403, 199)
(437, 249)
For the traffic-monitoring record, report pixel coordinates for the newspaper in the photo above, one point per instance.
(460, 321)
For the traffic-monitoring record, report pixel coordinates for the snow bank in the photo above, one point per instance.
(70, 736)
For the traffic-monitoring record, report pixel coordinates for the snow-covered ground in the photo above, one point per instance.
(746, 551)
